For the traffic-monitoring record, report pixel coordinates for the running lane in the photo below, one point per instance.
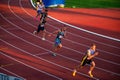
(74, 45)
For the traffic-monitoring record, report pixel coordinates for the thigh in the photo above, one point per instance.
(39, 28)
(39, 11)
(60, 45)
(92, 63)
(42, 28)
(57, 42)
(83, 61)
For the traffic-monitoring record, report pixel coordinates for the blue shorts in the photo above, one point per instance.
(39, 11)
(57, 41)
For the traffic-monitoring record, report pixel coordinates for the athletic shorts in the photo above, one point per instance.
(57, 41)
(85, 61)
(40, 28)
(39, 11)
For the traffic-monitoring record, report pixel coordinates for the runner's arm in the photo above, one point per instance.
(91, 56)
(55, 32)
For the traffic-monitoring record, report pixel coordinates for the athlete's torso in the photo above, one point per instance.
(60, 35)
(40, 7)
(91, 51)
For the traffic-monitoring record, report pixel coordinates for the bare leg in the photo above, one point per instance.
(83, 62)
(57, 48)
(44, 33)
(76, 69)
(91, 68)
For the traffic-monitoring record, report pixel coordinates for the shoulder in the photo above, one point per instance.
(37, 3)
(88, 51)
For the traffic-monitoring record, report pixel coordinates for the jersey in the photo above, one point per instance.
(91, 51)
(40, 7)
(85, 60)
(43, 17)
(58, 38)
(60, 35)
(42, 25)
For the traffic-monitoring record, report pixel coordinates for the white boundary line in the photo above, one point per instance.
(46, 61)
(70, 33)
(32, 3)
(68, 47)
(101, 35)
(65, 47)
(104, 36)
(57, 54)
(51, 42)
(89, 40)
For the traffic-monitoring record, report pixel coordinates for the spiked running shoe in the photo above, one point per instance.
(90, 74)
(74, 72)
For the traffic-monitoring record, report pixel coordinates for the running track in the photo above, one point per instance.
(26, 55)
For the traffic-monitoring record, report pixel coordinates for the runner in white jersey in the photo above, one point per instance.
(40, 7)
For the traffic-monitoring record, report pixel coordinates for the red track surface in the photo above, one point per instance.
(27, 56)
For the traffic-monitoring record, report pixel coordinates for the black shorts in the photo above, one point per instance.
(85, 61)
(43, 18)
(40, 28)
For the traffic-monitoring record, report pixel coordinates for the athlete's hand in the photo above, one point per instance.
(96, 53)
(49, 35)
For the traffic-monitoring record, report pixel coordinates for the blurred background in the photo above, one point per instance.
(81, 3)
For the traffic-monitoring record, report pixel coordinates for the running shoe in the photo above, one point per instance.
(53, 54)
(34, 32)
(74, 72)
(90, 74)
(43, 39)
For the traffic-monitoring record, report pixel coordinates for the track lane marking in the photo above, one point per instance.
(51, 51)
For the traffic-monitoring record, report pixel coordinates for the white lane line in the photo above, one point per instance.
(18, 27)
(51, 51)
(65, 39)
(52, 43)
(27, 64)
(46, 60)
(108, 37)
(90, 40)
(78, 28)
(69, 32)
(76, 35)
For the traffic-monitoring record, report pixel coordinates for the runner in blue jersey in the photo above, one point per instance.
(88, 59)
(60, 34)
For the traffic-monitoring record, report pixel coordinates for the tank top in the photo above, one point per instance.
(60, 35)
(91, 51)
(40, 7)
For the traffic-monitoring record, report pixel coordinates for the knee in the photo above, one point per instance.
(93, 64)
(60, 45)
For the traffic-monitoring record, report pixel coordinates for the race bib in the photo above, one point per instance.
(42, 25)
(60, 36)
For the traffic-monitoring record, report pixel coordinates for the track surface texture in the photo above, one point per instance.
(25, 55)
